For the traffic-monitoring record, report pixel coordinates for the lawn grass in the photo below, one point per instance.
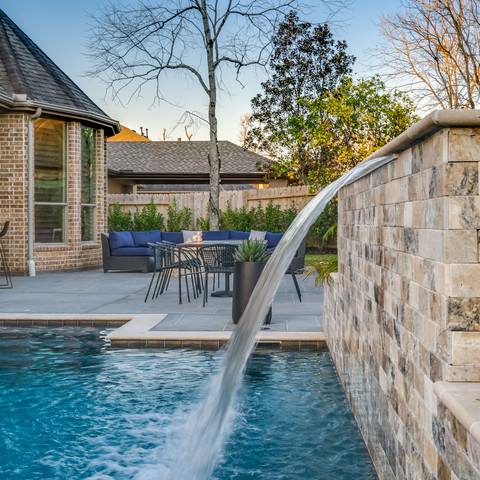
(326, 257)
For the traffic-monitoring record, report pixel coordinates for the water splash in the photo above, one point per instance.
(210, 424)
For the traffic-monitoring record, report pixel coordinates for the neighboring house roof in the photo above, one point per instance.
(184, 162)
(224, 187)
(127, 135)
(29, 79)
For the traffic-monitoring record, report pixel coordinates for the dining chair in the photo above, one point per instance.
(217, 259)
(169, 259)
(3, 258)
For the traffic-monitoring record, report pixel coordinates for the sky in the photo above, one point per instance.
(61, 28)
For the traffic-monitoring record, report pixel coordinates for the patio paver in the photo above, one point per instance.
(98, 298)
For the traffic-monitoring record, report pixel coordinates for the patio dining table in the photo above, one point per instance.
(205, 243)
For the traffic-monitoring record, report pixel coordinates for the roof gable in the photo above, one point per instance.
(25, 70)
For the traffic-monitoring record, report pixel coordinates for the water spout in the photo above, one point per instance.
(210, 423)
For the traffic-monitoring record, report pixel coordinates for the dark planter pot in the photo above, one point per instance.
(245, 277)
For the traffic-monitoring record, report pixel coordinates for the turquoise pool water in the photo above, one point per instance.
(72, 408)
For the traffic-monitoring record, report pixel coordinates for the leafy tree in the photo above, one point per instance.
(306, 63)
(342, 127)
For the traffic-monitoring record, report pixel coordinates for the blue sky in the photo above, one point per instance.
(60, 28)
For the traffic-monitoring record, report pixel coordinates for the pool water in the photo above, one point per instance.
(73, 408)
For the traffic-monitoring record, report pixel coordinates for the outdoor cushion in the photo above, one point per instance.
(140, 239)
(256, 235)
(236, 235)
(120, 239)
(190, 236)
(132, 252)
(273, 239)
(174, 237)
(217, 236)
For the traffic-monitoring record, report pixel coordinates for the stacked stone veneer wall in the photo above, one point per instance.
(14, 200)
(403, 312)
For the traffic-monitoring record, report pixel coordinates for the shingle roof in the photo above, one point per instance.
(179, 158)
(28, 78)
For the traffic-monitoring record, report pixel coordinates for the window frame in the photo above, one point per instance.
(93, 206)
(63, 204)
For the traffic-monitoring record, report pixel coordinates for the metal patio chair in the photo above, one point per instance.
(3, 258)
(217, 259)
(168, 258)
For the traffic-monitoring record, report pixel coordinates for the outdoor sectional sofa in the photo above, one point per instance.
(129, 251)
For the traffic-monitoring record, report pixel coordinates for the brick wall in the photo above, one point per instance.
(13, 186)
(403, 311)
(14, 200)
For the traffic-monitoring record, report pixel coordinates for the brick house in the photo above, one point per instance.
(53, 172)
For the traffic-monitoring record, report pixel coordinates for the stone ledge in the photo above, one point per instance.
(463, 401)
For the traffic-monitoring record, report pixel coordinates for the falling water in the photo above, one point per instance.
(209, 424)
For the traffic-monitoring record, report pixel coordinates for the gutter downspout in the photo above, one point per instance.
(31, 187)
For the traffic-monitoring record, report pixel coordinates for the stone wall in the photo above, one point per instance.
(14, 200)
(403, 312)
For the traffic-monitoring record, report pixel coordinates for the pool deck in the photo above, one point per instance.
(96, 298)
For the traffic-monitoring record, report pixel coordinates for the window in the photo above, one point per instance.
(50, 181)
(89, 183)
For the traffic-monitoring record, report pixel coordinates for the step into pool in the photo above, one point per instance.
(73, 408)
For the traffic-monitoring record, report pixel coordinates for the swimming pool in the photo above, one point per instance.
(73, 408)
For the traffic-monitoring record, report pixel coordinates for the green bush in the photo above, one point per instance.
(148, 218)
(178, 220)
(141, 221)
(325, 222)
(271, 219)
(119, 221)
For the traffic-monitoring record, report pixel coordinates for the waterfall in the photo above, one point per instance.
(208, 425)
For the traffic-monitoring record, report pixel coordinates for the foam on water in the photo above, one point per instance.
(199, 448)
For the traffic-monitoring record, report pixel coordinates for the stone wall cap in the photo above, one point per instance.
(463, 400)
(433, 122)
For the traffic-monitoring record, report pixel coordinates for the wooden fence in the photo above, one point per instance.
(198, 201)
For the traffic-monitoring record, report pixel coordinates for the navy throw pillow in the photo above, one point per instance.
(120, 239)
(140, 239)
(217, 236)
(173, 237)
(273, 239)
(236, 235)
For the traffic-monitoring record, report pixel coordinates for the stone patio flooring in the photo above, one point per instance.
(113, 299)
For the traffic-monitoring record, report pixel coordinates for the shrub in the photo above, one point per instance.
(178, 220)
(148, 218)
(119, 221)
(325, 222)
(271, 219)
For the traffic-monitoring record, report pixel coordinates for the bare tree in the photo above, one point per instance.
(433, 48)
(138, 44)
(245, 127)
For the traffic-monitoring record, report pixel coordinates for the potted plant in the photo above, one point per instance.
(250, 258)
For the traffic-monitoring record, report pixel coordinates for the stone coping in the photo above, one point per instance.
(463, 401)
(425, 127)
(136, 331)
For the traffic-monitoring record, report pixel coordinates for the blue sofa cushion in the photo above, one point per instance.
(236, 235)
(217, 236)
(120, 240)
(140, 239)
(273, 239)
(132, 252)
(174, 237)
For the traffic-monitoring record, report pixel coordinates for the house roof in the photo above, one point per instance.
(127, 135)
(183, 161)
(30, 79)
